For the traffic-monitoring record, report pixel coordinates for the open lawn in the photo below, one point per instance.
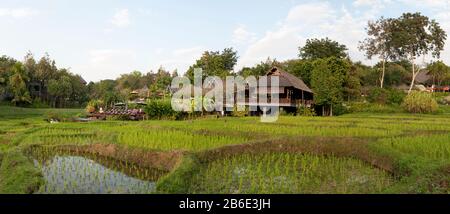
(355, 153)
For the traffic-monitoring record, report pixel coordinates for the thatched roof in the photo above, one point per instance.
(423, 77)
(288, 80)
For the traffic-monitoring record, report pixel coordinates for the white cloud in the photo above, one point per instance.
(437, 4)
(17, 12)
(242, 36)
(373, 3)
(121, 18)
(181, 59)
(311, 20)
(107, 64)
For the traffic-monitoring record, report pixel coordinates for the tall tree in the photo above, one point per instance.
(30, 65)
(322, 48)
(379, 42)
(438, 71)
(259, 70)
(415, 35)
(18, 85)
(327, 81)
(60, 89)
(215, 63)
(6, 63)
(45, 71)
(300, 68)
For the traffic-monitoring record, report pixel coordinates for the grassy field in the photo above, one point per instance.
(355, 153)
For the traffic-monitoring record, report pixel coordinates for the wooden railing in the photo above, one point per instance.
(294, 103)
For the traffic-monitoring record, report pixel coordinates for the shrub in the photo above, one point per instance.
(37, 103)
(340, 109)
(162, 109)
(94, 105)
(307, 112)
(385, 96)
(364, 107)
(133, 106)
(395, 96)
(420, 102)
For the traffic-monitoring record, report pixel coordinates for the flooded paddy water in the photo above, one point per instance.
(75, 173)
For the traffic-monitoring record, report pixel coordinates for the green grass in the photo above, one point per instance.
(419, 146)
(289, 173)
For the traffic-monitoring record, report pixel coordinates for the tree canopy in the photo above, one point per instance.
(215, 63)
(322, 48)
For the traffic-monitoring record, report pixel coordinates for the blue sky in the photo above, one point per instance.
(105, 38)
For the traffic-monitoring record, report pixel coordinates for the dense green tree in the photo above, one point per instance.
(259, 70)
(439, 71)
(322, 48)
(6, 63)
(215, 63)
(30, 65)
(162, 81)
(60, 89)
(415, 35)
(352, 83)
(108, 92)
(130, 81)
(327, 81)
(17, 83)
(300, 68)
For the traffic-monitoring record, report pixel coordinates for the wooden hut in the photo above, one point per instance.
(292, 91)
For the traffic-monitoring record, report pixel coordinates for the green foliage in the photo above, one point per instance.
(340, 109)
(288, 173)
(18, 85)
(58, 116)
(118, 117)
(321, 49)
(215, 63)
(106, 91)
(386, 96)
(415, 34)
(300, 68)
(179, 180)
(133, 106)
(61, 89)
(364, 107)
(327, 81)
(260, 69)
(420, 102)
(439, 72)
(94, 105)
(414, 147)
(18, 174)
(161, 109)
(306, 112)
(38, 103)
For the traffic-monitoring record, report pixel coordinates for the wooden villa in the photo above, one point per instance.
(292, 91)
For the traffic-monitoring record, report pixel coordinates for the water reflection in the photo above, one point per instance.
(75, 174)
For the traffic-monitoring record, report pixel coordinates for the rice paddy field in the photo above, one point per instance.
(354, 153)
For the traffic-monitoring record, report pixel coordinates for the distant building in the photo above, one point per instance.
(292, 91)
